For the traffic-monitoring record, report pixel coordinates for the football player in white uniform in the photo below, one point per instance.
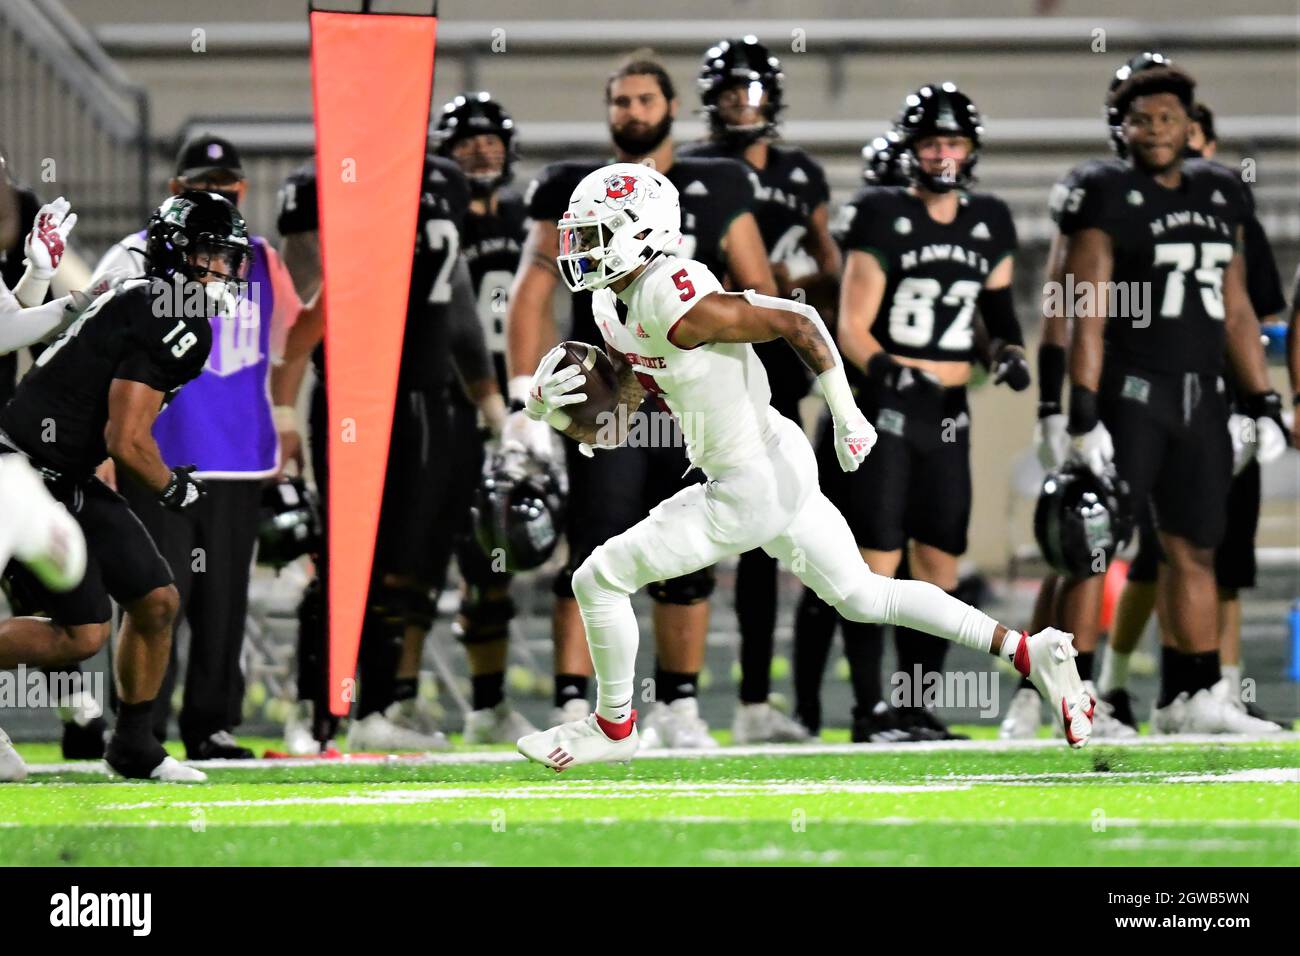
(672, 332)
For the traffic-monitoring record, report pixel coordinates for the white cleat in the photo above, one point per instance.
(764, 724)
(298, 739)
(12, 768)
(400, 727)
(47, 539)
(656, 729)
(578, 742)
(497, 725)
(1024, 716)
(1051, 668)
(1170, 718)
(575, 709)
(172, 770)
(687, 730)
(1208, 713)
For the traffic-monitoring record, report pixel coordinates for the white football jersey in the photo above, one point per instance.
(718, 392)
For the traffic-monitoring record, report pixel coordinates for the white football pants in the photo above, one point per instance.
(774, 503)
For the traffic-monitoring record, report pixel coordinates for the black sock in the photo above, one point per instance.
(1201, 670)
(674, 685)
(570, 687)
(814, 630)
(380, 652)
(1084, 664)
(135, 721)
(864, 646)
(918, 649)
(488, 690)
(405, 688)
(756, 584)
(1173, 675)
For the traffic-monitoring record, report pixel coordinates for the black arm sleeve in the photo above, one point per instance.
(469, 349)
(998, 309)
(1263, 283)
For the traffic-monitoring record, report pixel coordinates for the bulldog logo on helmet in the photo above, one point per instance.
(623, 190)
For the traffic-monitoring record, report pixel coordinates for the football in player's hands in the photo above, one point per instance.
(599, 383)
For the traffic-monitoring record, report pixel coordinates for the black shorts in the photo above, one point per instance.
(122, 561)
(427, 486)
(915, 485)
(1234, 558)
(617, 488)
(1172, 448)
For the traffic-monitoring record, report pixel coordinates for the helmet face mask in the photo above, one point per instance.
(741, 68)
(518, 508)
(1082, 520)
(471, 115)
(198, 236)
(619, 218)
(938, 110)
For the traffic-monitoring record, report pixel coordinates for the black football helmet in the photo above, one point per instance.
(471, 114)
(1081, 517)
(195, 223)
(938, 109)
(880, 160)
(1115, 108)
(518, 509)
(289, 523)
(731, 63)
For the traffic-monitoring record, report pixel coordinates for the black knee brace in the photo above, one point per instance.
(403, 606)
(688, 589)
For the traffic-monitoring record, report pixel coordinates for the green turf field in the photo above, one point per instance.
(1163, 804)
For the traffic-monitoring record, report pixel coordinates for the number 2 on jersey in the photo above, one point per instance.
(442, 234)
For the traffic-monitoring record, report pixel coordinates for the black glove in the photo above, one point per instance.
(883, 371)
(1011, 368)
(183, 491)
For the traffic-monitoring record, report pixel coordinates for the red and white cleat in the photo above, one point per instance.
(579, 742)
(1047, 658)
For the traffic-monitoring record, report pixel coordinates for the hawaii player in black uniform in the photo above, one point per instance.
(1147, 388)
(94, 394)
(476, 133)
(612, 491)
(919, 261)
(422, 504)
(742, 91)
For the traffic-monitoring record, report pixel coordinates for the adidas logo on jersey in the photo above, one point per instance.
(902, 225)
(640, 332)
(798, 176)
(1217, 198)
(696, 188)
(981, 231)
(1134, 197)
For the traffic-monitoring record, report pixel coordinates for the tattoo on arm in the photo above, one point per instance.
(547, 262)
(807, 340)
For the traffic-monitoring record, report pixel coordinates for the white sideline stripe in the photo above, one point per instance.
(760, 750)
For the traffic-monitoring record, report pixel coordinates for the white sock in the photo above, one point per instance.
(1114, 670)
(612, 636)
(1232, 674)
(919, 605)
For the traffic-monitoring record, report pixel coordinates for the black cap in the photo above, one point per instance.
(204, 155)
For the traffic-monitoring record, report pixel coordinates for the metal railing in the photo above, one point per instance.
(71, 122)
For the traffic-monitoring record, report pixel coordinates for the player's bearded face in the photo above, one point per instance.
(639, 116)
(1156, 128)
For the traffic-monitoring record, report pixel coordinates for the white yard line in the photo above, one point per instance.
(766, 750)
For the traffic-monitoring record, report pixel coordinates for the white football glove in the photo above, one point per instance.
(538, 438)
(854, 439)
(1245, 441)
(550, 391)
(1270, 439)
(48, 239)
(1052, 441)
(1095, 449)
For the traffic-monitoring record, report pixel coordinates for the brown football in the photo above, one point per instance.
(600, 386)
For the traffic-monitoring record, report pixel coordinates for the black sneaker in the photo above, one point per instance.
(1121, 706)
(84, 741)
(220, 746)
(883, 726)
(923, 718)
